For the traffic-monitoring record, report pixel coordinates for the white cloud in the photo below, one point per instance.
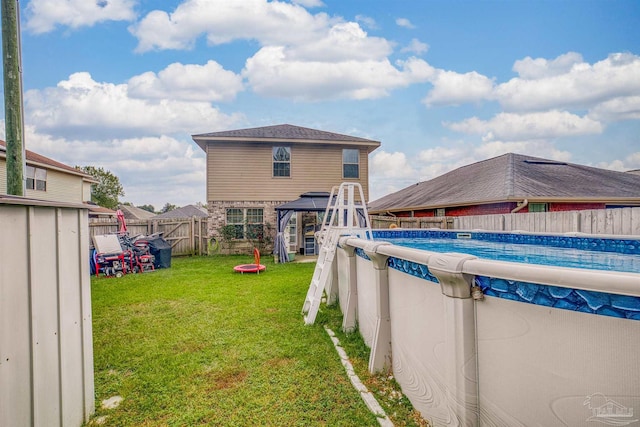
(367, 21)
(439, 154)
(416, 46)
(510, 126)
(404, 22)
(45, 15)
(451, 88)
(344, 41)
(391, 165)
(622, 108)
(389, 172)
(152, 170)
(270, 72)
(536, 148)
(579, 86)
(83, 107)
(630, 162)
(223, 21)
(533, 69)
(191, 82)
(309, 3)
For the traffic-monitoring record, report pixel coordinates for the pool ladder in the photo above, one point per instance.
(346, 215)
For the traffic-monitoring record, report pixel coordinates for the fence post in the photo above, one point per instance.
(192, 237)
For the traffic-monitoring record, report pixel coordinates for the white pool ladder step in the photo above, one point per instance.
(344, 216)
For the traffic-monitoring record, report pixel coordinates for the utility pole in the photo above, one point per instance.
(12, 66)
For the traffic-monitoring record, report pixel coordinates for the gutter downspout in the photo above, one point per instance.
(521, 206)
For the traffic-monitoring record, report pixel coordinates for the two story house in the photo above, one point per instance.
(48, 179)
(250, 172)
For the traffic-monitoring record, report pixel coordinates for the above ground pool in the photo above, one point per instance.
(598, 253)
(498, 328)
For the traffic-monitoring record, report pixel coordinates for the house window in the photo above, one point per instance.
(440, 212)
(246, 222)
(281, 161)
(350, 163)
(36, 179)
(537, 207)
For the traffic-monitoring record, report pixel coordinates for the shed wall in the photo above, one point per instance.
(46, 350)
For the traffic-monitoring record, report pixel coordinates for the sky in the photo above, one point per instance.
(123, 84)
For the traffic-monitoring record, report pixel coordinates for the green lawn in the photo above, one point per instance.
(198, 344)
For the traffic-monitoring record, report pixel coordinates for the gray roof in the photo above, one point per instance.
(514, 177)
(132, 212)
(314, 201)
(283, 132)
(184, 212)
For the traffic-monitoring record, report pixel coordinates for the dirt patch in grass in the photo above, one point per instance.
(226, 379)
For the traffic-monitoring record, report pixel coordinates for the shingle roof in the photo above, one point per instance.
(282, 132)
(513, 177)
(35, 158)
(313, 201)
(184, 212)
(132, 212)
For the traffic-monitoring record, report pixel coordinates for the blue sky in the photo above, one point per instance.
(122, 84)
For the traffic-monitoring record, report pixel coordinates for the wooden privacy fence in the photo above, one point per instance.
(411, 222)
(620, 221)
(187, 236)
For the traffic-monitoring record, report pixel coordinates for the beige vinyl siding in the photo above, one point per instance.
(244, 171)
(86, 191)
(3, 176)
(61, 187)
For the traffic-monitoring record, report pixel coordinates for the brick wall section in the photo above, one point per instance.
(498, 208)
(489, 209)
(562, 207)
(218, 218)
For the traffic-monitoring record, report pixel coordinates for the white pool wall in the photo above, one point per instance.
(493, 361)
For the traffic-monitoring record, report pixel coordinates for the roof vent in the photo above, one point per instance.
(545, 162)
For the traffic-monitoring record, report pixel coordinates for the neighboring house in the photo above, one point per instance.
(252, 171)
(97, 212)
(188, 211)
(48, 179)
(513, 183)
(132, 212)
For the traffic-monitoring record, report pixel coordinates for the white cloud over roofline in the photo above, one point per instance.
(518, 127)
(152, 170)
(82, 107)
(271, 72)
(187, 82)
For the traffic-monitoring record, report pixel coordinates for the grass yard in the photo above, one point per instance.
(198, 344)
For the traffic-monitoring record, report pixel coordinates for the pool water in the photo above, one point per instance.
(527, 253)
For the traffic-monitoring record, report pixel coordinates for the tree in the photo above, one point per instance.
(168, 207)
(148, 208)
(106, 192)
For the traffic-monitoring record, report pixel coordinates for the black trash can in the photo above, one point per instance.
(161, 250)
